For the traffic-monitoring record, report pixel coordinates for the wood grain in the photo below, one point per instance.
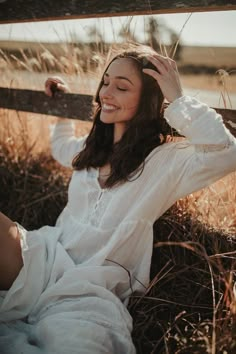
(73, 106)
(33, 10)
(62, 105)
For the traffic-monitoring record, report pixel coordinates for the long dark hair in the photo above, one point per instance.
(144, 132)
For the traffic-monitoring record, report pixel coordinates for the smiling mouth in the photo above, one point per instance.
(108, 108)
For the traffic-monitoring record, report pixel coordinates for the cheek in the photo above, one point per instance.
(132, 103)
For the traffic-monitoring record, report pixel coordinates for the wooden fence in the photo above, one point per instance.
(66, 105)
(34, 10)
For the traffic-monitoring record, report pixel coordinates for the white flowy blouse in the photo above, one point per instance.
(71, 293)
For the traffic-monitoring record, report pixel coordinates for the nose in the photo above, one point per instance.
(106, 91)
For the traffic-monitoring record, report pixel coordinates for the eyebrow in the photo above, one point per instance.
(120, 78)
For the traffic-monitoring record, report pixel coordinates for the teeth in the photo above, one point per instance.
(108, 106)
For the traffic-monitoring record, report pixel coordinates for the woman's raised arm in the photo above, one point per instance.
(64, 144)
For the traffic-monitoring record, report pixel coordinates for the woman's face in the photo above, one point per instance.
(120, 94)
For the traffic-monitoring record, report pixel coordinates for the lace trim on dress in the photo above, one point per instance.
(97, 204)
(99, 208)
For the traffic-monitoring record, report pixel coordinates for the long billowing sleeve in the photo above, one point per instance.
(209, 152)
(64, 145)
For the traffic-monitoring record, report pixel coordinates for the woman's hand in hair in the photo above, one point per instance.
(167, 76)
(54, 84)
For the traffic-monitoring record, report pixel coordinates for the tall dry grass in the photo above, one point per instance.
(190, 304)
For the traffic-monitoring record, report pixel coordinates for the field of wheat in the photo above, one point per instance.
(190, 306)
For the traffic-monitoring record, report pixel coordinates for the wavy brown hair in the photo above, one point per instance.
(144, 131)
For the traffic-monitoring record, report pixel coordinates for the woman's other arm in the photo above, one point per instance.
(64, 144)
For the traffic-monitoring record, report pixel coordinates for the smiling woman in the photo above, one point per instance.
(67, 286)
(128, 120)
(120, 95)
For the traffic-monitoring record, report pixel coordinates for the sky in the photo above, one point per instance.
(203, 28)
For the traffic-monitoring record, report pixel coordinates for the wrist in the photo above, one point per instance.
(176, 96)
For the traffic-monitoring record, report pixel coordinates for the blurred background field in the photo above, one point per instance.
(190, 306)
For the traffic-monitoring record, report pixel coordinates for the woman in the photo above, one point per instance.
(67, 287)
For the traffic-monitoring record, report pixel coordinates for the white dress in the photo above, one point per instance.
(72, 292)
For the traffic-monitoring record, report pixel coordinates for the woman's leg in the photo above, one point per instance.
(10, 252)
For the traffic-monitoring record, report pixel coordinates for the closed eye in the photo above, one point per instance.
(118, 88)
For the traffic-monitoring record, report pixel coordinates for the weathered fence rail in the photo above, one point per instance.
(75, 105)
(34, 10)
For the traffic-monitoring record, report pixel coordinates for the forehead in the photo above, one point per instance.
(125, 67)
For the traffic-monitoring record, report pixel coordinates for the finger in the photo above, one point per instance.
(48, 91)
(54, 81)
(54, 84)
(152, 73)
(167, 62)
(50, 87)
(49, 83)
(172, 63)
(160, 63)
(63, 87)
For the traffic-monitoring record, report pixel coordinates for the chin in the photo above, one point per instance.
(106, 121)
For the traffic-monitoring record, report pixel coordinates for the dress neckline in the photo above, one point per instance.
(95, 174)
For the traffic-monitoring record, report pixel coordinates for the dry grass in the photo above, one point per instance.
(209, 82)
(219, 57)
(190, 305)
